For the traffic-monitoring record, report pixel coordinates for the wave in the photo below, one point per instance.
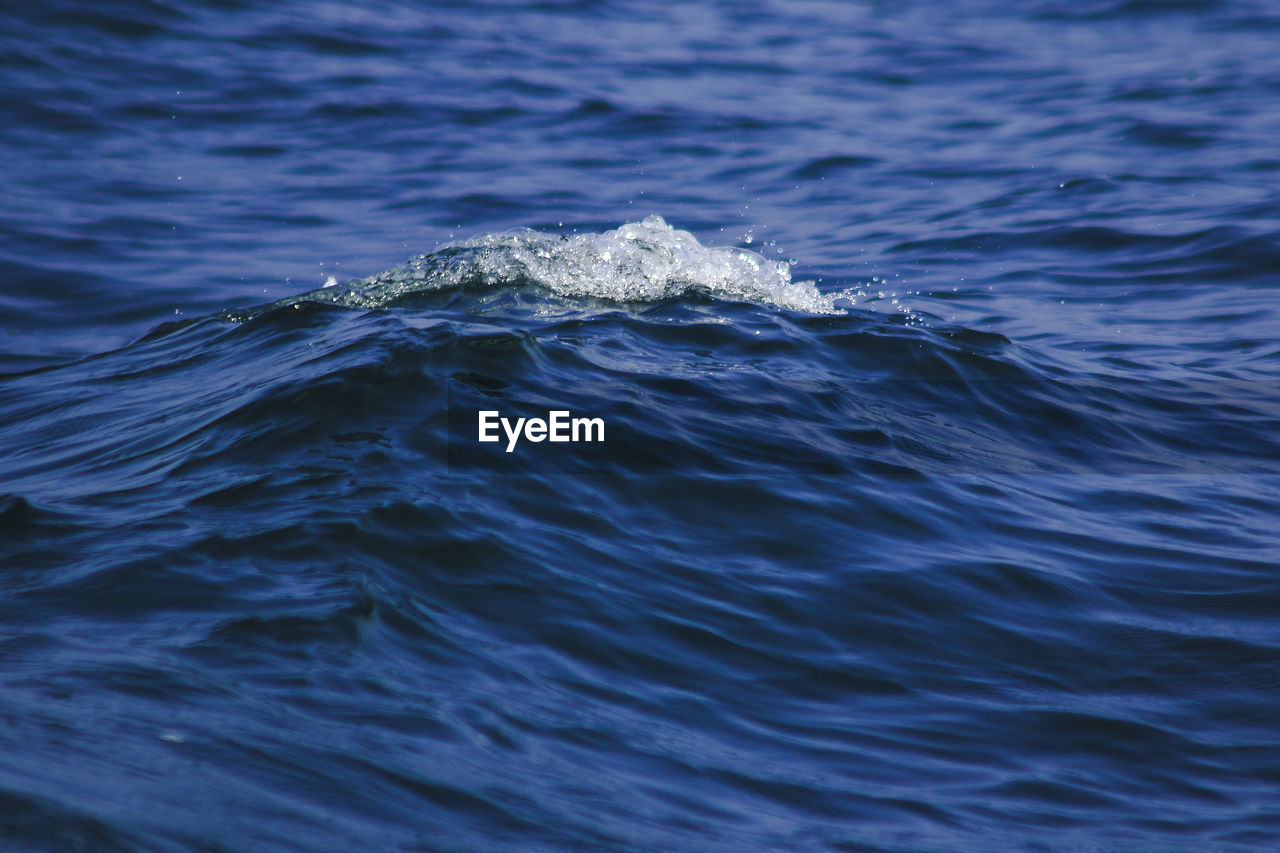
(644, 261)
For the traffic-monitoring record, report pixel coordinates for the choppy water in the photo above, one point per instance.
(937, 349)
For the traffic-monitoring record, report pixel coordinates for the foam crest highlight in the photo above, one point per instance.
(637, 262)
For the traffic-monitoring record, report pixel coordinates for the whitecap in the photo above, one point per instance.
(642, 261)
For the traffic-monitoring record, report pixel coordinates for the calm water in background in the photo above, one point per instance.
(957, 532)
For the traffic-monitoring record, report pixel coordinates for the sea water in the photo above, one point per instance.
(935, 352)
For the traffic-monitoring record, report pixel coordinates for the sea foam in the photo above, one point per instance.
(641, 261)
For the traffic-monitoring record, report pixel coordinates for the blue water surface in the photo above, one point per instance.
(938, 351)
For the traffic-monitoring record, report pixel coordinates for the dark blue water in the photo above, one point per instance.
(938, 351)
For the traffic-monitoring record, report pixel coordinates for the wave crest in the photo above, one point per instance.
(637, 262)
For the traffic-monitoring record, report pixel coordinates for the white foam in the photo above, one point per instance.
(637, 262)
